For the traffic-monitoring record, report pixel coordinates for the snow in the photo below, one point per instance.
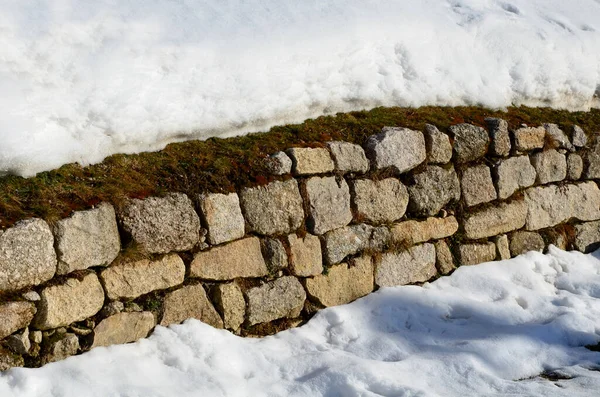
(84, 79)
(486, 330)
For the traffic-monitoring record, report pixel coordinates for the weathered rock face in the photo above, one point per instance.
(309, 161)
(413, 232)
(348, 157)
(502, 247)
(381, 201)
(14, 316)
(574, 166)
(552, 205)
(305, 255)
(273, 209)
(281, 298)
(587, 236)
(591, 159)
(130, 279)
(473, 254)
(230, 302)
(71, 301)
(274, 254)
(27, 255)
(513, 174)
(439, 148)
(9, 360)
(522, 242)
(529, 138)
(160, 225)
(189, 302)
(241, 258)
(350, 240)
(417, 264)
(444, 261)
(61, 347)
(578, 137)
(328, 204)
(470, 142)
(222, 216)
(123, 328)
(434, 188)
(556, 138)
(342, 284)
(503, 218)
(279, 164)
(399, 148)
(87, 239)
(477, 185)
(550, 166)
(498, 129)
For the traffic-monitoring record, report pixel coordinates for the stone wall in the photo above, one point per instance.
(334, 224)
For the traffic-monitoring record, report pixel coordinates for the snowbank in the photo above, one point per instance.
(80, 80)
(485, 330)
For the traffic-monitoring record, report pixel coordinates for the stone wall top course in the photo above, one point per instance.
(348, 157)
(470, 142)
(310, 161)
(399, 148)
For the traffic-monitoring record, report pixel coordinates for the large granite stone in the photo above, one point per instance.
(550, 166)
(417, 264)
(444, 260)
(524, 241)
(476, 253)
(587, 236)
(274, 253)
(305, 255)
(349, 240)
(513, 174)
(574, 166)
(498, 130)
(439, 148)
(189, 302)
(328, 204)
(399, 148)
(283, 297)
(348, 157)
(529, 138)
(434, 188)
(123, 328)
(60, 347)
(502, 247)
(578, 137)
(488, 222)
(380, 201)
(222, 216)
(230, 302)
(310, 161)
(413, 232)
(470, 142)
(556, 137)
(15, 316)
(591, 159)
(477, 185)
(278, 164)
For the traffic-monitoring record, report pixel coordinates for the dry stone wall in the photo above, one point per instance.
(334, 224)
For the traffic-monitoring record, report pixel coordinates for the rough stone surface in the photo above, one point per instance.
(513, 174)
(19, 343)
(587, 236)
(412, 232)
(556, 138)
(470, 142)
(488, 222)
(434, 188)
(279, 164)
(130, 279)
(591, 160)
(380, 201)
(574, 166)
(189, 302)
(308, 161)
(498, 129)
(328, 204)
(87, 239)
(502, 247)
(342, 284)
(439, 148)
(123, 328)
(160, 225)
(473, 254)
(417, 264)
(112, 308)
(230, 302)
(280, 298)
(274, 254)
(27, 255)
(68, 302)
(61, 347)
(305, 255)
(523, 241)
(477, 185)
(444, 261)
(31, 296)
(241, 258)
(551, 205)
(9, 359)
(222, 216)
(14, 316)
(273, 209)
(529, 138)
(348, 157)
(550, 166)
(400, 148)
(578, 137)
(349, 240)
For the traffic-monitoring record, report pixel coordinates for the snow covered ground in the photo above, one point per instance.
(83, 79)
(485, 330)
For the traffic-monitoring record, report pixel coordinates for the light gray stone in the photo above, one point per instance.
(591, 160)
(19, 343)
(9, 359)
(273, 209)
(439, 148)
(444, 260)
(281, 298)
(550, 166)
(130, 279)
(529, 138)
(123, 328)
(160, 225)
(513, 174)
(342, 284)
(417, 264)
(412, 232)
(87, 239)
(60, 348)
(477, 185)
(348, 157)
(230, 302)
(502, 247)
(73, 300)
(399, 148)
(349, 240)
(578, 137)
(15, 316)
(498, 130)
(551, 205)
(189, 302)
(274, 254)
(434, 188)
(556, 137)
(574, 166)
(475, 253)
(310, 161)
(27, 255)
(305, 255)
(470, 142)
(523, 241)
(488, 222)
(222, 216)
(31, 296)
(380, 201)
(587, 236)
(328, 204)
(241, 258)
(279, 164)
